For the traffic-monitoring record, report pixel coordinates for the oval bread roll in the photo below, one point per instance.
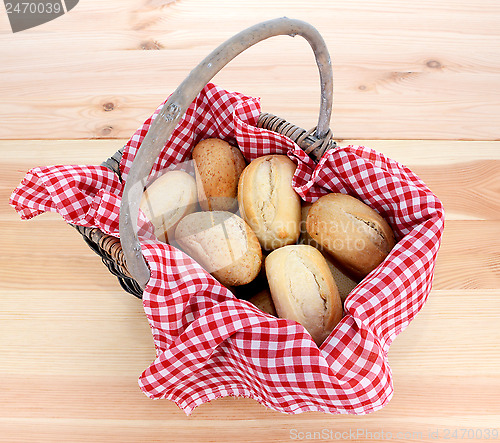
(223, 244)
(344, 283)
(356, 236)
(167, 200)
(303, 289)
(218, 169)
(268, 203)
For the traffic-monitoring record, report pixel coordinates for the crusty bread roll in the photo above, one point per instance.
(268, 203)
(223, 244)
(218, 169)
(356, 236)
(303, 289)
(264, 302)
(344, 283)
(305, 238)
(167, 200)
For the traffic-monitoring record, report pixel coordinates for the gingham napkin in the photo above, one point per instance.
(210, 344)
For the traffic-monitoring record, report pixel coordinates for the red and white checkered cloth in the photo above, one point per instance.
(210, 344)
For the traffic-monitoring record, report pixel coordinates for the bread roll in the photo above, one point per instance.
(355, 235)
(264, 302)
(344, 283)
(218, 169)
(167, 200)
(305, 238)
(303, 289)
(268, 203)
(223, 244)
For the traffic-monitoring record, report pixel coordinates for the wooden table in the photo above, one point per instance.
(417, 81)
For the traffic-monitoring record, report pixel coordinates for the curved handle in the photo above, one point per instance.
(175, 107)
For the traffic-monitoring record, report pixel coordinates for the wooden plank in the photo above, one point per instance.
(69, 341)
(467, 258)
(433, 362)
(51, 255)
(426, 70)
(426, 347)
(464, 175)
(73, 343)
(280, 429)
(414, 153)
(442, 15)
(421, 398)
(475, 166)
(106, 333)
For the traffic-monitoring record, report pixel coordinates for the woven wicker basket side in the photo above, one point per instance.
(109, 247)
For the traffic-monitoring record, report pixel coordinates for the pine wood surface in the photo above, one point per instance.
(73, 343)
(402, 69)
(417, 81)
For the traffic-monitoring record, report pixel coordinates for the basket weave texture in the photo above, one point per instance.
(210, 344)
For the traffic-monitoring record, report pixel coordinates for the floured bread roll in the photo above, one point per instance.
(344, 283)
(268, 203)
(167, 200)
(218, 169)
(303, 289)
(353, 233)
(223, 244)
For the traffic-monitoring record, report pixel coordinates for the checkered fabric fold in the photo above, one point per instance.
(209, 344)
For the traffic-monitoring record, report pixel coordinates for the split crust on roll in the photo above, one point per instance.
(268, 202)
(303, 289)
(352, 232)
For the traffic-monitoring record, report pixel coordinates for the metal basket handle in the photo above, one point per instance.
(175, 107)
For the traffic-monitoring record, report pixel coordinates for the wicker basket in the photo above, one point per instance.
(193, 317)
(108, 247)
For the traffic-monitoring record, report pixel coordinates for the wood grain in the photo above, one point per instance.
(81, 385)
(437, 387)
(468, 258)
(425, 70)
(444, 376)
(411, 79)
(54, 255)
(464, 175)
